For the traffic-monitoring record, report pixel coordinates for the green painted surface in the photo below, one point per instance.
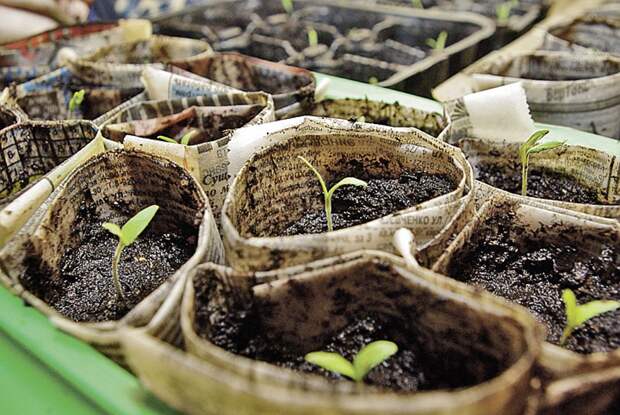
(44, 371)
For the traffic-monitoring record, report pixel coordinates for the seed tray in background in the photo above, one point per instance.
(359, 41)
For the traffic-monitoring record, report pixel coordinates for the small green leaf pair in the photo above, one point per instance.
(76, 100)
(184, 140)
(126, 236)
(366, 359)
(531, 146)
(503, 10)
(577, 314)
(327, 194)
(313, 37)
(438, 44)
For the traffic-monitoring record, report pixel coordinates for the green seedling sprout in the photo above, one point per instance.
(417, 4)
(313, 37)
(503, 11)
(366, 359)
(184, 140)
(438, 44)
(373, 80)
(76, 100)
(126, 236)
(577, 314)
(287, 5)
(327, 194)
(531, 146)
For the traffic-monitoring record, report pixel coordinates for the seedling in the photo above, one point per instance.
(313, 37)
(417, 4)
(366, 359)
(373, 80)
(531, 146)
(76, 100)
(438, 44)
(327, 194)
(184, 140)
(503, 11)
(577, 314)
(287, 5)
(126, 236)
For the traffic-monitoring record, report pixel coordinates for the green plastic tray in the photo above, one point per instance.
(44, 371)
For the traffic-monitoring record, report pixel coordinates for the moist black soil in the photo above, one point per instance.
(409, 370)
(533, 269)
(544, 184)
(84, 290)
(353, 205)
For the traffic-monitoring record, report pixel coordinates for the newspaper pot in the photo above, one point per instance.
(571, 177)
(585, 35)
(290, 87)
(445, 316)
(37, 55)
(60, 262)
(379, 112)
(582, 92)
(211, 121)
(48, 97)
(10, 115)
(528, 253)
(273, 215)
(33, 149)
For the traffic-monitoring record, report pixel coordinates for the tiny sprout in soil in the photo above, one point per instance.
(76, 100)
(531, 146)
(438, 44)
(366, 359)
(184, 140)
(373, 80)
(327, 194)
(126, 236)
(417, 4)
(577, 314)
(503, 11)
(287, 5)
(313, 37)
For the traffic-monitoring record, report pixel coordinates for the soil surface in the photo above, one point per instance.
(533, 269)
(353, 205)
(409, 370)
(84, 290)
(540, 183)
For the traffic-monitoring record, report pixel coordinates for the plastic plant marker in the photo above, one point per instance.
(577, 314)
(438, 44)
(364, 361)
(531, 146)
(126, 236)
(76, 100)
(327, 194)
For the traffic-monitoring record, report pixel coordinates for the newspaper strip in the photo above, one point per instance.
(213, 119)
(37, 157)
(574, 376)
(586, 34)
(35, 56)
(562, 88)
(272, 188)
(292, 88)
(105, 182)
(212, 381)
(11, 115)
(594, 169)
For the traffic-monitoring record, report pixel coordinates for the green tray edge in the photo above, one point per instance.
(93, 384)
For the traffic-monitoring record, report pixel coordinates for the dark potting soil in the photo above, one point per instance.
(84, 290)
(533, 269)
(353, 205)
(409, 370)
(540, 183)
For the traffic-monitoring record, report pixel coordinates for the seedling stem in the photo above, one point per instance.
(531, 146)
(577, 314)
